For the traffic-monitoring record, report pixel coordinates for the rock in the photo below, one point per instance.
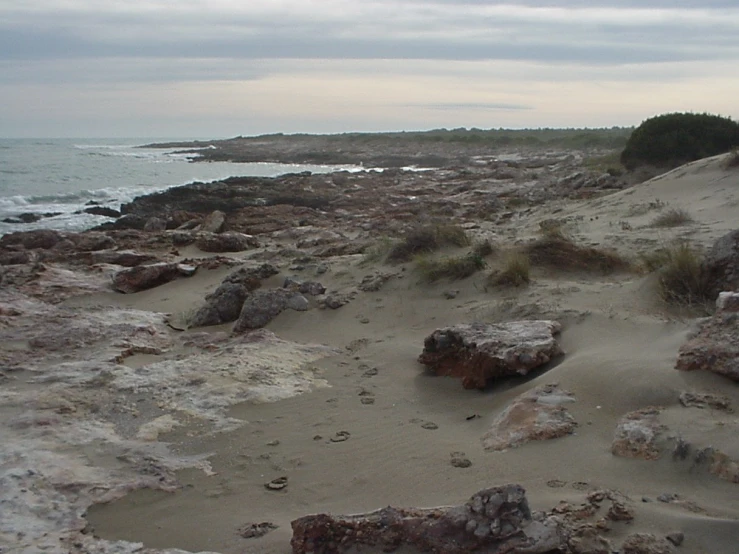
(149, 276)
(213, 223)
(479, 352)
(15, 258)
(536, 415)
(676, 538)
(183, 238)
(260, 308)
(313, 288)
(128, 221)
(92, 241)
(721, 264)
(728, 302)
(646, 543)
(225, 242)
(706, 400)
(102, 210)
(298, 302)
(39, 238)
(126, 258)
(336, 300)
(155, 224)
(373, 283)
(715, 347)
(494, 520)
(637, 434)
(718, 463)
(256, 530)
(224, 304)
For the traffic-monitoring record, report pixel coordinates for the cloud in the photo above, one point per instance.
(481, 106)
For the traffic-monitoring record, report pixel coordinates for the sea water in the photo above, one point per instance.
(64, 175)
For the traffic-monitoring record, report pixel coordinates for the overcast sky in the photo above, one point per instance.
(219, 68)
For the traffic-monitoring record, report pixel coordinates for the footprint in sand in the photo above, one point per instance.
(256, 530)
(460, 460)
(556, 484)
(276, 484)
(341, 436)
(429, 425)
(366, 397)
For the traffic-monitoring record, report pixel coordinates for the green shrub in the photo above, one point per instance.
(682, 279)
(673, 139)
(674, 217)
(516, 271)
(377, 252)
(457, 267)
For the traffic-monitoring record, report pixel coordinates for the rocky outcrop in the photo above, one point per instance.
(637, 435)
(224, 304)
(495, 520)
(480, 352)
(539, 414)
(715, 347)
(102, 210)
(721, 264)
(225, 242)
(145, 277)
(646, 543)
(31, 240)
(213, 222)
(261, 307)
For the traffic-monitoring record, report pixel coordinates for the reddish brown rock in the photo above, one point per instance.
(536, 415)
(637, 435)
(715, 347)
(646, 543)
(479, 352)
(225, 242)
(493, 521)
(149, 276)
(40, 238)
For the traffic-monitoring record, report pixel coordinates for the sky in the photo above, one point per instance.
(221, 68)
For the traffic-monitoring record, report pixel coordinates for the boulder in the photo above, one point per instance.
(479, 352)
(102, 210)
(638, 434)
(92, 241)
(149, 276)
(260, 308)
(155, 224)
(225, 303)
(225, 242)
(15, 258)
(721, 264)
(646, 543)
(715, 347)
(314, 288)
(213, 223)
(126, 258)
(535, 415)
(39, 238)
(494, 520)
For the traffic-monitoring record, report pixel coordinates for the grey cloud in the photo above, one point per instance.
(477, 106)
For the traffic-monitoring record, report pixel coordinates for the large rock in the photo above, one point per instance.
(715, 347)
(149, 276)
(721, 264)
(225, 303)
(260, 308)
(126, 258)
(535, 415)
(493, 521)
(479, 352)
(225, 242)
(40, 238)
(102, 210)
(646, 543)
(92, 241)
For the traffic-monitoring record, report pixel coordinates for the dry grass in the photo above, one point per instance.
(427, 239)
(556, 251)
(674, 217)
(484, 248)
(516, 271)
(377, 252)
(682, 279)
(457, 267)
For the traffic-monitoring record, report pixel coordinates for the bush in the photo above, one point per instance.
(515, 272)
(674, 217)
(427, 239)
(457, 267)
(556, 251)
(670, 140)
(484, 248)
(732, 160)
(682, 279)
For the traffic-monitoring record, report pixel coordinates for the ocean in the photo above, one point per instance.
(46, 176)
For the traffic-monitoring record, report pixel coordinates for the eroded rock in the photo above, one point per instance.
(260, 308)
(479, 352)
(539, 414)
(721, 264)
(637, 435)
(145, 277)
(715, 347)
(495, 520)
(646, 543)
(225, 242)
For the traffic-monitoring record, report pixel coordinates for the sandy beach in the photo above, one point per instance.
(124, 430)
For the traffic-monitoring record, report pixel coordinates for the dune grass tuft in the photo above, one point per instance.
(456, 267)
(557, 251)
(674, 217)
(681, 279)
(515, 273)
(427, 239)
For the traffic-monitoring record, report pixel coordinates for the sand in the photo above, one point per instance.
(401, 426)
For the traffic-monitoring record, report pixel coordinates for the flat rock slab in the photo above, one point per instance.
(538, 414)
(144, 277)
(493, 521)
(480, 352)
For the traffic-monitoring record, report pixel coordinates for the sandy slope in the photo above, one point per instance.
(620, 346)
